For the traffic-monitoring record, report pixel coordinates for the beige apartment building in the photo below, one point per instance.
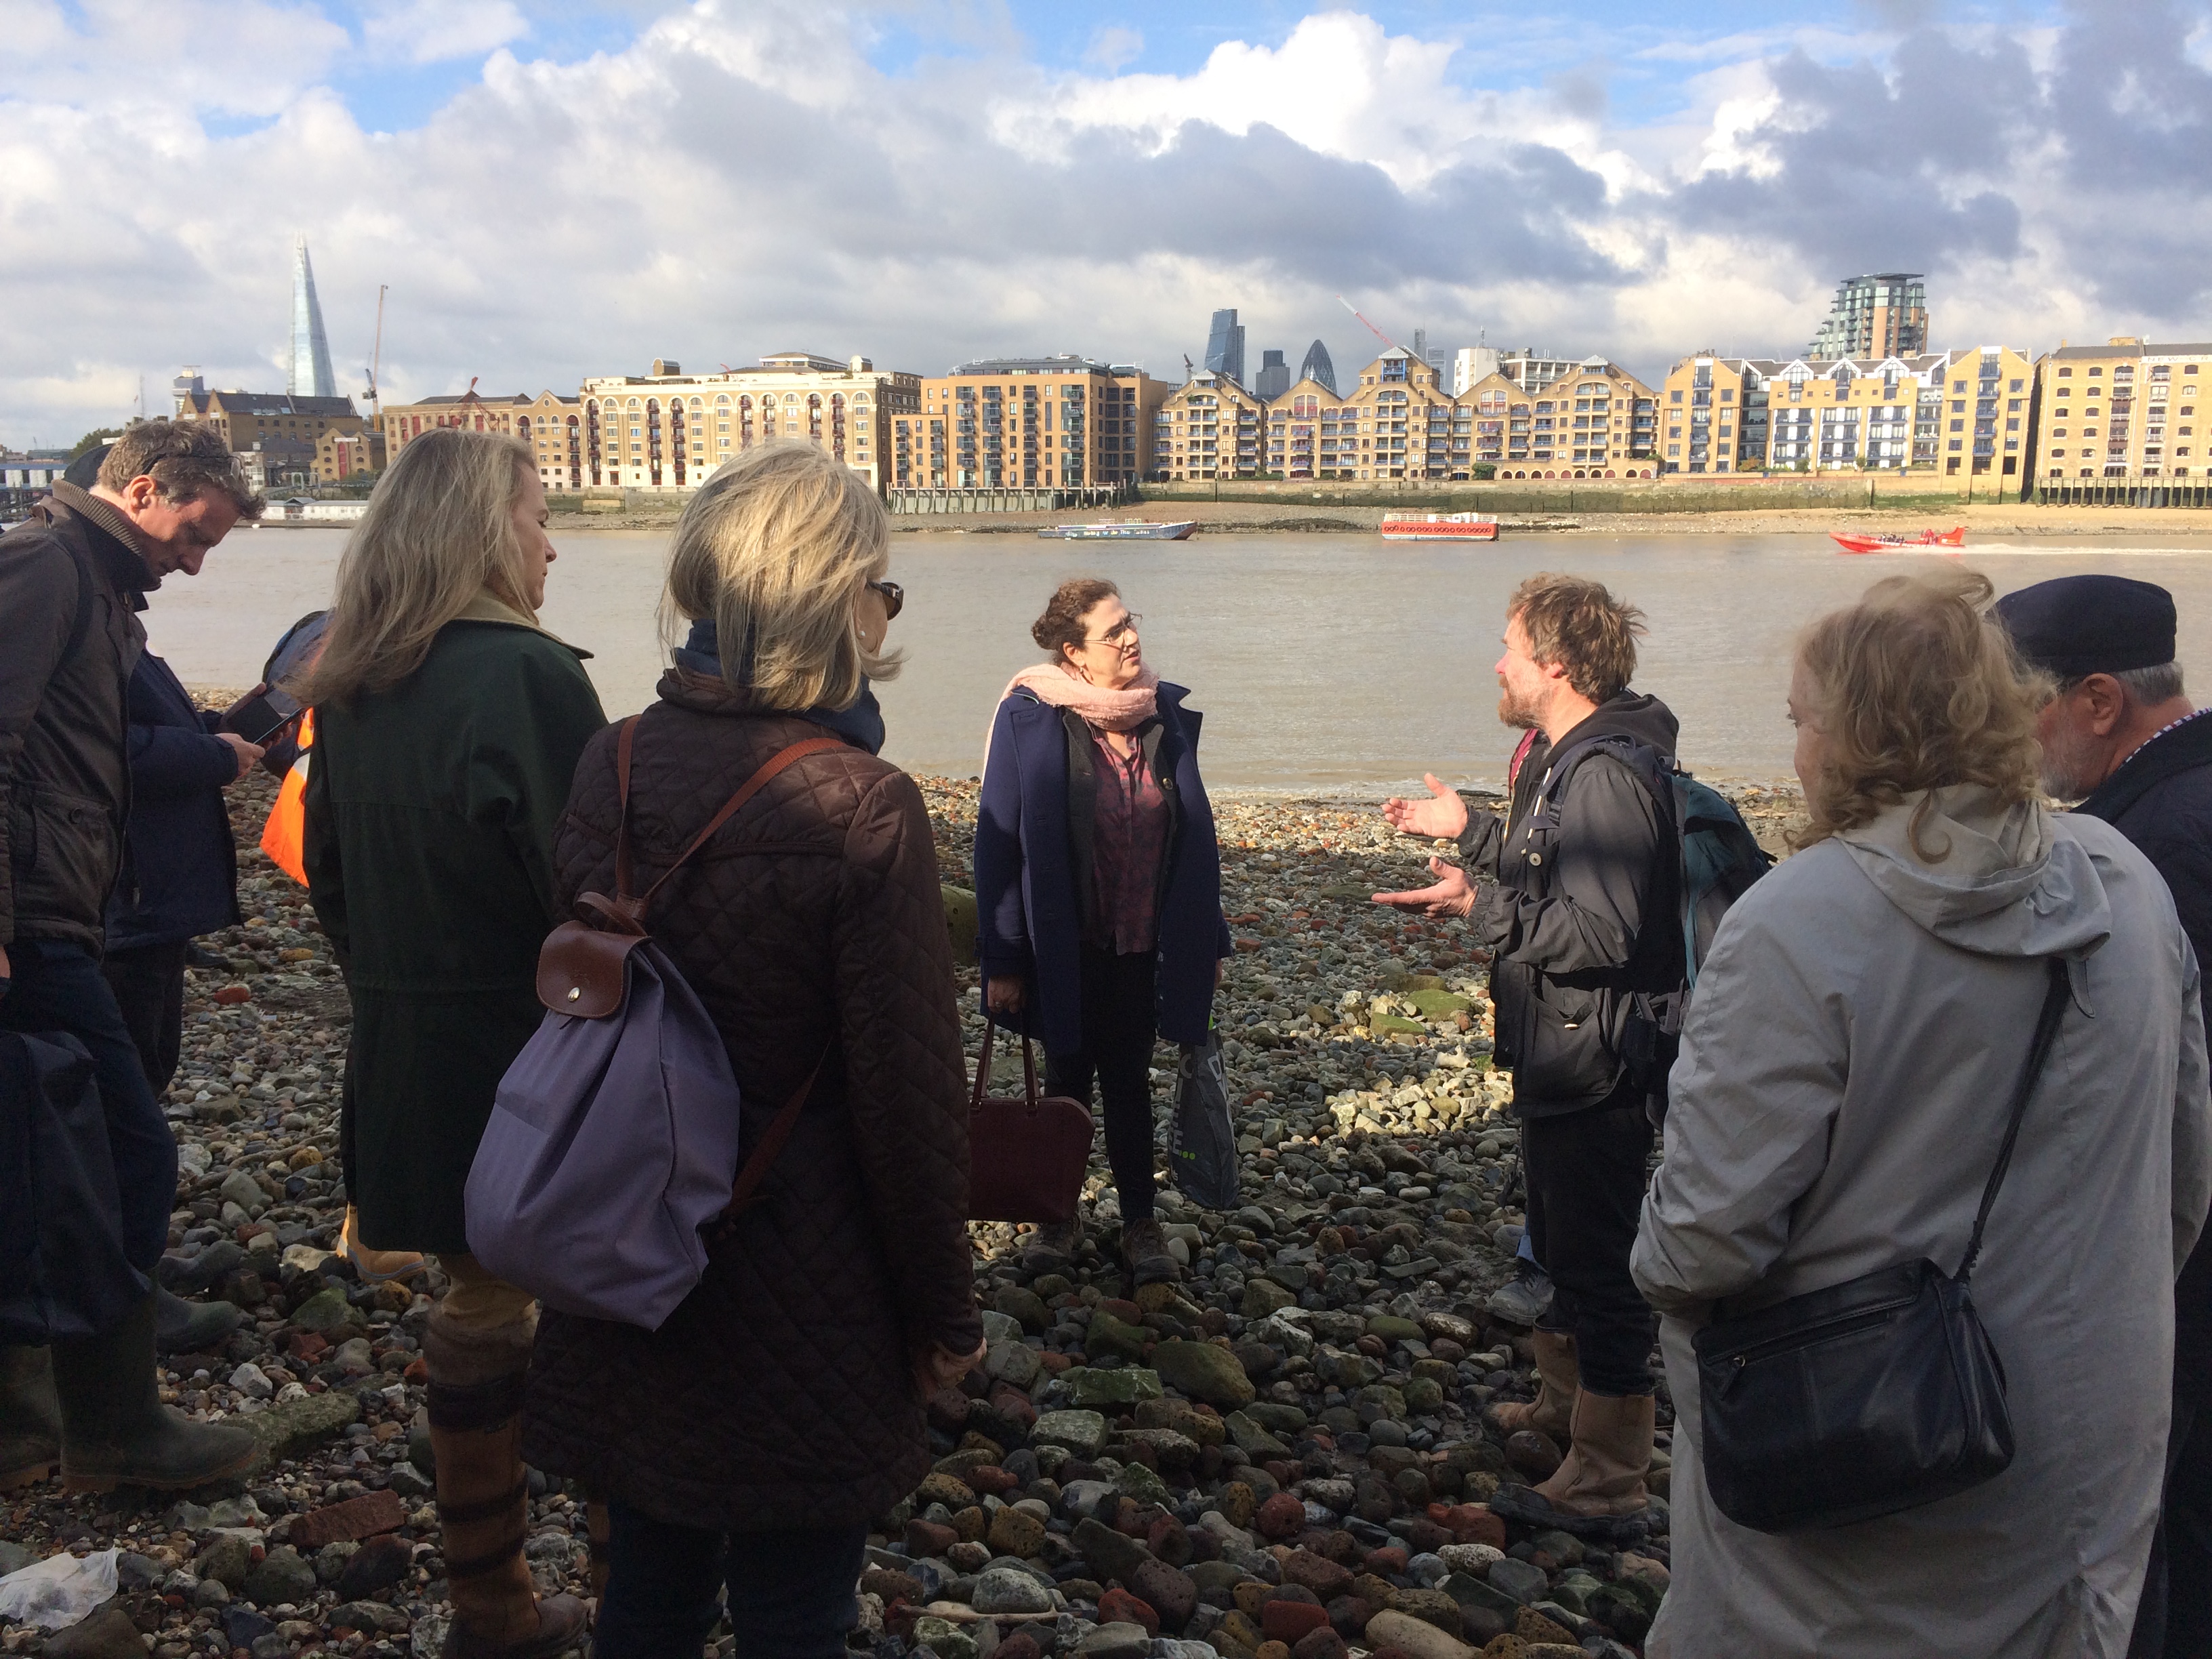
(1958, 413)
(2126, 409)
(669, 430)
(1210, 428)
(1004, 423)
(1598, 420)
(547, 423)
(344, 456)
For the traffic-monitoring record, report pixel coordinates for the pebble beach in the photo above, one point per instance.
(1284, 1457)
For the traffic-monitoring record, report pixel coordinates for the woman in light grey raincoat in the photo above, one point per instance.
(1840, 1100)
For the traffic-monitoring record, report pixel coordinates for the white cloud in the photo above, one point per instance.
(436, 31)
(740, 178)
(1112, 46)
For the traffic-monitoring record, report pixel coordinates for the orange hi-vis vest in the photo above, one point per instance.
(284, 837)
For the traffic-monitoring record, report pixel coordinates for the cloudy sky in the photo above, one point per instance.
(573, 187)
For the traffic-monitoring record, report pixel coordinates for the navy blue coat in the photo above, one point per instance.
(2161, 800)
(1029, 910)
(179, 875)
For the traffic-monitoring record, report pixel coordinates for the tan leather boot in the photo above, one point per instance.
(374, 1266)
(475, 1400)
(1604, 1469)
(1553, 1411)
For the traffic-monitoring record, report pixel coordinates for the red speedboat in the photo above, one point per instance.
(1853, 541)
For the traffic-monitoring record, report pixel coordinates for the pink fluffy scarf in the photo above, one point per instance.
(1122, 710)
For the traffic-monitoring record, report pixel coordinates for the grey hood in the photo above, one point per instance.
(1998, 878)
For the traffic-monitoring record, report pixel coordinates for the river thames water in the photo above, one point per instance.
(1322, 662)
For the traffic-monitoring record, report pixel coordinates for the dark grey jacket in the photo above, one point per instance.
(1563, 909)
(70, 582)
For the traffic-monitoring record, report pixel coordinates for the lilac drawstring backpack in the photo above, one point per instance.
(614, 1134)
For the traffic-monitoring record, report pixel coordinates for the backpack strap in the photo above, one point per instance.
(625, 872)
(764, 1155)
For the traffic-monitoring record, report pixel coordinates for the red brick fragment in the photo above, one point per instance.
(356, 1518)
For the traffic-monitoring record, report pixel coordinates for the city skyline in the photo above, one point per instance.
(1645, 185)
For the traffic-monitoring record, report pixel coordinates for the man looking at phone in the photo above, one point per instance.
(72, 580)
(1578, 905)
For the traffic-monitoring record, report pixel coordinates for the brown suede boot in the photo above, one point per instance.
(30, 1418)
(1145, 1248)
(475, 1400)
(1603, 1472)
(1553, 1411)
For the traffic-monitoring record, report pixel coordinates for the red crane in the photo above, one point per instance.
(1370, 327)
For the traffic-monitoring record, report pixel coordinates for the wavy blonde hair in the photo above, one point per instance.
(439, 531)
(1913, 691)
(776, 547)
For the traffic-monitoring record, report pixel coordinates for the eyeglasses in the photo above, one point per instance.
(1120, 631)
(894, 597)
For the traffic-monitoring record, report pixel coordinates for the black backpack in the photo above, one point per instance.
(1720, 858)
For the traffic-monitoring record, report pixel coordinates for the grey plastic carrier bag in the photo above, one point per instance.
(1202, 1146)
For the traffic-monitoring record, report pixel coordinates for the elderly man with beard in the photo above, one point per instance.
(2120, 738)
(1578, 904)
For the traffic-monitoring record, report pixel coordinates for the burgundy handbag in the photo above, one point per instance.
(1026, 1156)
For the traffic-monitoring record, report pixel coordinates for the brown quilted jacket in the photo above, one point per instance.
(780, 1393)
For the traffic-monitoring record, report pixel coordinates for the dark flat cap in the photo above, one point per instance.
(84, 471)
(2077, 625)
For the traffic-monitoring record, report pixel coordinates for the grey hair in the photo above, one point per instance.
(2147, 687)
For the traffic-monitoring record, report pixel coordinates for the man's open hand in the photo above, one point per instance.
(1453, 894)
(1444, 817)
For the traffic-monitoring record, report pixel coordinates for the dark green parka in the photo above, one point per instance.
(431, 813)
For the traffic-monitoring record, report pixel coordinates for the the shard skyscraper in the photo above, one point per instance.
(308, 368)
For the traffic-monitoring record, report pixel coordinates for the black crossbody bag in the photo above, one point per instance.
(1878, 1395)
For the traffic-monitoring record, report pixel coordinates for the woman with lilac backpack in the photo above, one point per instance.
(747, 1442)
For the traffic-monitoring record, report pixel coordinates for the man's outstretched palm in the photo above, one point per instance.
(1453, 893)
(1442, 817)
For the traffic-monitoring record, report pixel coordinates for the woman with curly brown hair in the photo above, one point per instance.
(1841, 1097)
(1098, 887)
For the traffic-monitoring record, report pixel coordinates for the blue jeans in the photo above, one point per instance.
(58, 987)
(791, 1594)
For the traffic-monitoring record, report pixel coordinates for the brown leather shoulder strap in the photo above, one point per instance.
(751, 786)
(624, 874)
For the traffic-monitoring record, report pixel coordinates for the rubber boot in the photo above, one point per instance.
(116, 1432)
(1553, 1411)
(182, 1327)
(30, 1418)
(1603, 1472)
(475, 1401)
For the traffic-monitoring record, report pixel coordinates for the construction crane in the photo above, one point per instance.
(376, 358)
(1370, 327)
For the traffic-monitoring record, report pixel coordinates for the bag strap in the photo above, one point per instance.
(983, 1068)
(2046, 1035)
(756, 1168)
(625, 875)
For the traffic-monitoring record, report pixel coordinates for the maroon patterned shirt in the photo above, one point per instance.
(1129, 842)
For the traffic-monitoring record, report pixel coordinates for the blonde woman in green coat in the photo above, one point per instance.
(447, 725)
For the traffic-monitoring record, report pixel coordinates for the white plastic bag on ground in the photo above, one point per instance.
(59, 1591)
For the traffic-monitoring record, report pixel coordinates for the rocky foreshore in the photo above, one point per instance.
(1283, 1456)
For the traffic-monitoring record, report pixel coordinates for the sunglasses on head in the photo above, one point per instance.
(894, 597)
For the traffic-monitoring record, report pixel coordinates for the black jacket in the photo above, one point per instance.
(1564, 909)
(2161, 800)
(70, 582)
(180, 864)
